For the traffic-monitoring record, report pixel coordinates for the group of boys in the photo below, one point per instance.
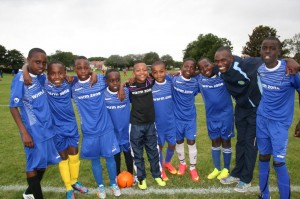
(162, 110)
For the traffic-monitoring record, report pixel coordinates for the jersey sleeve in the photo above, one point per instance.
(17, 92)
(295, 81)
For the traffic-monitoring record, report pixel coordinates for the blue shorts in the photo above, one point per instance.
(220, 129)
(41, 155)
(99, 146)
(272, 137)
(63, 142)
(125, 147)
(186, 130)
(169, 137)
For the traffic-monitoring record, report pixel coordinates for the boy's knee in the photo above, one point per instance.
(264, 158)
(278, 164)
(190, 142)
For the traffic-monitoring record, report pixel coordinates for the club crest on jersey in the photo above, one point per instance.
(241, 82)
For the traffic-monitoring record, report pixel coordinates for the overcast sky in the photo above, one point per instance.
(108, 27)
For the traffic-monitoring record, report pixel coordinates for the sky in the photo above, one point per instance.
(102, 28)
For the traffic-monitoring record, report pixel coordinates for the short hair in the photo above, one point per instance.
(189, 59)
(49, 65)
(35, 50)
(111, 70)
(81, 57)
(159, 62)
(273, 38)
(138, 62)
(224, 48)
(203, 58)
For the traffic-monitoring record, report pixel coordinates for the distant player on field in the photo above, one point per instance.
(274, 116)
(31, 112)
(164, 116)
(219, 117)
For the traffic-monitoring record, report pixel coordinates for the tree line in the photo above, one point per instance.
(204, 46)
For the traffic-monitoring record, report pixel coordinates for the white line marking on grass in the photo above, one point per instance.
(134, 191)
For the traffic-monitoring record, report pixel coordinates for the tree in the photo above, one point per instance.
(3, 52)
(96, 58)
(116, 61)
(168, 60)
(259, 33)
(205, 46)
(131, 58)
(67, 58)
(150, 58)
(14, 58)
(293, 45)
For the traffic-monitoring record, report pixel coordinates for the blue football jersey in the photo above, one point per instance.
(184, 92)
(120, 114)
(278, 92)
(94, 117)
(164, 107)
(34, 108)
(217, 100)
(60, 101)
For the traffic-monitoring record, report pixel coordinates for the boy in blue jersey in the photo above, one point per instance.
(164, 116)
(185, 88)
(274, 116)
(219, 117)
(31, 112)
(120, 115)
(143, 132)
(98, 132)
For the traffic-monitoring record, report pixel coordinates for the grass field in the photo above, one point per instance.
(13, 178)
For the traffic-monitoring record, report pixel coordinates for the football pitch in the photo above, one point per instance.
(13, 177)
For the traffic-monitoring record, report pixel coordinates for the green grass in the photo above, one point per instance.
(12, 161)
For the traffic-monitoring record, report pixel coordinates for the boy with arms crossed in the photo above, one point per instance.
(219, 117)
(185, 88)
(164, 115)
(274, 116)
(120, 115)
(34, 122)
(98, 132)
(143, 132)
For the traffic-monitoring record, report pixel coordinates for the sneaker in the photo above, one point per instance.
(164, 175)
(224, 174)
(170, 168)
(142, 184)
(229, 180)
(213, 174)
(101, 192)
(135, 181)
(160, 182)
(115, 190)
(80, 187)
(28, 196)
(70, 194)
(181, 170)
(194, 175)
(261, 197)
(242, 186)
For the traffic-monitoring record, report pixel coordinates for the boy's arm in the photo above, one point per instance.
(26, 76)
(297, 129)
(94, 79)
(292, 66)
(26, 138)
(121, 92)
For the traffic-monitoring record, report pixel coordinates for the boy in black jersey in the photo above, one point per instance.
(143, 132)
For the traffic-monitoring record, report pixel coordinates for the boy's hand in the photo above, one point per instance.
(94, 79)
(131, 80)
(27, 140)
(292, 67)
(26, 76)
(176, 73)
(69, 79)
(297, 130)
(121, 94)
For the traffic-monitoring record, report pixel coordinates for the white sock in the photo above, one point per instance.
(192, 156)
(180, 153)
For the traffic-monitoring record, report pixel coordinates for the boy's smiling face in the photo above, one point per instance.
(206, 67)
(82, 69)
(159, 72)
(140, 71)
(56, 74)
(37, 63)
(188, 69)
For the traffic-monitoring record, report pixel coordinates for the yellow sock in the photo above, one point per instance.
(65, 173)
(74, 167)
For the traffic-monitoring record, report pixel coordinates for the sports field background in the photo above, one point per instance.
(13, 177)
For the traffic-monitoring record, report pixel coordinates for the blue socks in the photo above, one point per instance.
(227, 157)
(216, 153)
(264, 170)
(97, 171)
(283, 181)
(111, 168)
(169, 154)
